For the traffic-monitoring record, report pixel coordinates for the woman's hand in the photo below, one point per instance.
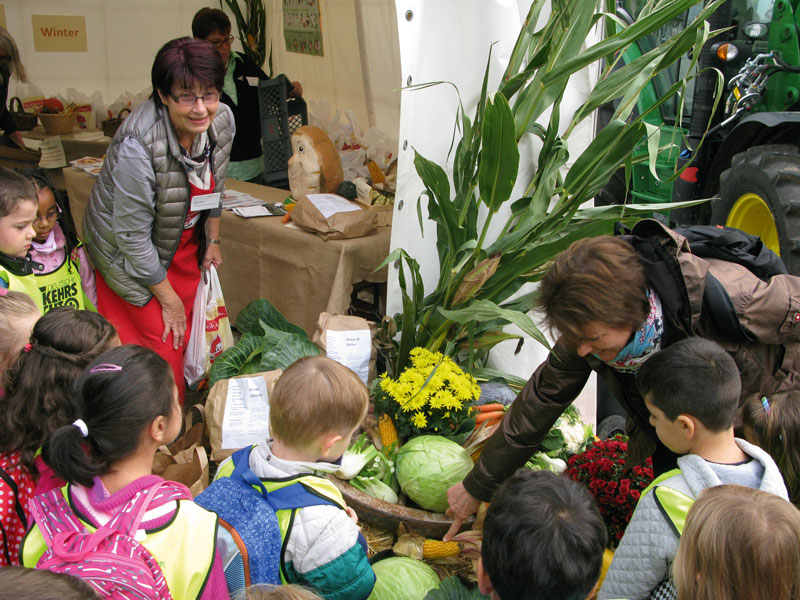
(174, 315)
(212, 257)
(462, 504)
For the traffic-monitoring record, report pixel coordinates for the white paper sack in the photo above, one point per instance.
(246, 419)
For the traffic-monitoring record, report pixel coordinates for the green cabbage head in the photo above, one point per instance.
(427, 466)
(401, 578)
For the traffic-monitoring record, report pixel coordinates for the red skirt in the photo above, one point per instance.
(144, 325)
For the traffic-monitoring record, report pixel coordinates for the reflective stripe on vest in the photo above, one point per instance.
(186, 565)
(673, 504)
(313, 483)
(62, 287)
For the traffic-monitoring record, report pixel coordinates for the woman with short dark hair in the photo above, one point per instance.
(239, 92)
(158, 192)
(613, 302)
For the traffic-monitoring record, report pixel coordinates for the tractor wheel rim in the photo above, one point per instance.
(752, 215)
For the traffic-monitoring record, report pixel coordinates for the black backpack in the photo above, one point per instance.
(706, 241)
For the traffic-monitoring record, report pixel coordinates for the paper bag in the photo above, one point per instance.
(245, 424)
(333, 217)
(348, 340)
(185, 460)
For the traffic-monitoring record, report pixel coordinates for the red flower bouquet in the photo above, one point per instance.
(600, 469)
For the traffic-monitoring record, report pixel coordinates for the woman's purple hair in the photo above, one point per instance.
(185, 62)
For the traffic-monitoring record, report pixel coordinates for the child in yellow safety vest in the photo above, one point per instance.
(127, 403)
(315, 408)
(691, 390)
(18, 206)
(67, 277)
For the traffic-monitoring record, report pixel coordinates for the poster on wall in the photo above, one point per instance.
(59, 33)
(301, 27)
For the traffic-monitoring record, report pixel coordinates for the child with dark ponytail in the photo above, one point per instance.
(39, 385)
(39, 399)
(127, 406)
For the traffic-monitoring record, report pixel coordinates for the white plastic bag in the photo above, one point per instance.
(211, 328)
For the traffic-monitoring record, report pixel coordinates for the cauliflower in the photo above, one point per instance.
(568, 435)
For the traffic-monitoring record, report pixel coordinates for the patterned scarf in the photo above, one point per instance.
(198, 165)
(645, 341)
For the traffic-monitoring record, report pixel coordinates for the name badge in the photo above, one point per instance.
(205, 201)
(252, 81)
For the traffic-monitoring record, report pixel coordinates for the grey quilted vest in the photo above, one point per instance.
(151, 126)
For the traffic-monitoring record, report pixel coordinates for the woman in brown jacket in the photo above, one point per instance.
(616, 301)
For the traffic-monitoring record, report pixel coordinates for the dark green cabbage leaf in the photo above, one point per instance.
(259, 312)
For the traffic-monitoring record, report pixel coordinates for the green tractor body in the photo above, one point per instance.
(749, 161)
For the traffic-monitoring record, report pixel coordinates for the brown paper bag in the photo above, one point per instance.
(339, 225)
(185, 460)
(344, 323)
(215, 411)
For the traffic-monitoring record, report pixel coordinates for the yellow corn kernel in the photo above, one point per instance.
(387, 430)
(437, 549)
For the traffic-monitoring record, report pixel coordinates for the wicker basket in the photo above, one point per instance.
(24, 120)
(56, 124)
(111, 125)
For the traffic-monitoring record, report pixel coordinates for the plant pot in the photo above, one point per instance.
(59, 123)
(389, 516)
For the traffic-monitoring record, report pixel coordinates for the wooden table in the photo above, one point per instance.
(297, 271)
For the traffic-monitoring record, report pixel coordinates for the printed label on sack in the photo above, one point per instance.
(246, 419)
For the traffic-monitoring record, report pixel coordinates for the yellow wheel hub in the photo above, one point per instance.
(752, 215)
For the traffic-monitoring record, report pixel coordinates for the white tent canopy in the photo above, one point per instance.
(372, 49)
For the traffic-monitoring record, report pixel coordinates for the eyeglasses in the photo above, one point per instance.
(220, 43)
(190, 99)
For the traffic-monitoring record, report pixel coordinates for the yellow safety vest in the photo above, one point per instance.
(184, 549)
(62, 287)
(316, 484)
(673, 504)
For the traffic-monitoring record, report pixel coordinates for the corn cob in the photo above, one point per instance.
(436, 549)
(388, 431)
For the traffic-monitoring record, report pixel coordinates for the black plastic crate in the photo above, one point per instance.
(280, 116)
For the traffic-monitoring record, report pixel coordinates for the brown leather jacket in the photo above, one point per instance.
(769, 311)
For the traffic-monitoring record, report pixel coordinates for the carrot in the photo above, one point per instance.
(483, 408)
(488, 416)
(286, 217)
(493, 422)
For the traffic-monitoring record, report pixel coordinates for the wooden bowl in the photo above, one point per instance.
(389, 516)
(56, 124)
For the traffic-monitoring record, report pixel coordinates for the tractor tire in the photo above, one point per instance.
(760, 194)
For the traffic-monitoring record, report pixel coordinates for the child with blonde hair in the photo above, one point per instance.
(773, 423)
(18, 313)
(739, 542)
(315, 408)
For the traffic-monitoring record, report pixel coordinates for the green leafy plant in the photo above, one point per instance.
(474, 297)
(268, 342)
(252, 26)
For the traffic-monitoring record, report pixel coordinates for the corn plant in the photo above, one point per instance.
(252, 26)
(471, 302)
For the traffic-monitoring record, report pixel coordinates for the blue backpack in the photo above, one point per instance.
(248, 515)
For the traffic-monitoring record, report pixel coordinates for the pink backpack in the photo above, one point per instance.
(110, 559)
